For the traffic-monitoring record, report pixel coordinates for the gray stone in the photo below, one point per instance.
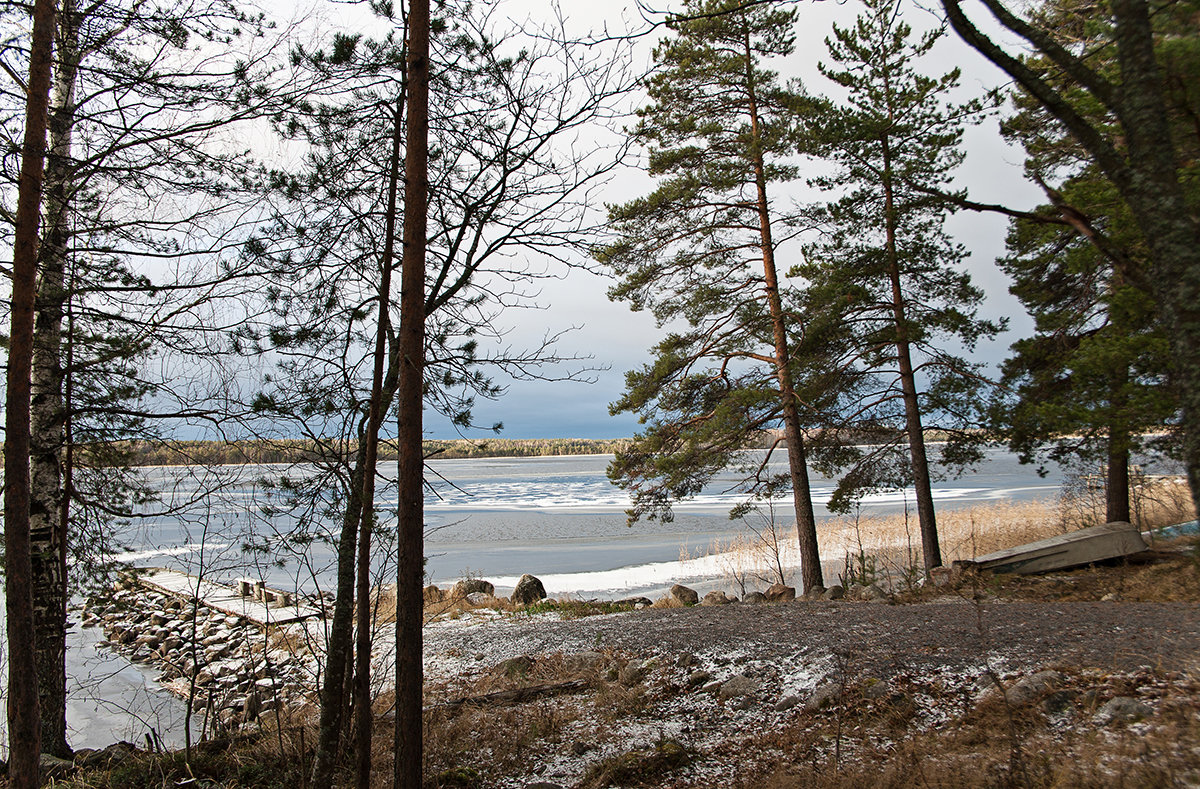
(823, 695)
(635, 602)
(876, 689)
(684, 595)
(816, 593)
(755, 598)
(1031, 688)
(698, 678)
(53, 767)
(1122, 709)
(528, 590)
(787, 702)
(633, 673)
(738, 685)
(835, 593)
(470, 586)
(516, 667)
(583, 661)
(780, 593)
(716, 597)
(482, 599)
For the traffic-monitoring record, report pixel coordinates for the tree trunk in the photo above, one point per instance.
(1116, 489)
(362, 677)
(333, 687)
(806, 522)
(24, 727)
(47, 529)
(931, 552)
(1152, 189)
(408, 746)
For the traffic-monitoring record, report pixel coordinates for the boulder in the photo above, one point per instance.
(816, 593)
(684, 595)
(528, 590)
(1032, 687)
(738, 685)
(516, 667)
(823, 695)
(472, 586)
(834, 593)
(787, 702)
(716, 597)
(779, 593)
(755, 598)
(1122, 709)
(635, 602)
(698, 678)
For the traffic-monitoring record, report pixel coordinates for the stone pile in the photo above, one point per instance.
(231, 665)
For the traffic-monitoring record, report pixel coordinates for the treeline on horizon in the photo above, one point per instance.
(264, 451)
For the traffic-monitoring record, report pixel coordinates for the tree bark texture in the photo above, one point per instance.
(24, 728)
(47, 529)
(806, 522)
(409, 753)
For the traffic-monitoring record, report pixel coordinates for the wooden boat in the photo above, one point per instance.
(1093, 544)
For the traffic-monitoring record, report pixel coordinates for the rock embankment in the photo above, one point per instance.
(234, 671)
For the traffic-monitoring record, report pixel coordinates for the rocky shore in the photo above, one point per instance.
(234, 670)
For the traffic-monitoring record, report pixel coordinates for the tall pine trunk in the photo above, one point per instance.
(47, 526)
(806, 522)
(1152, 189)
(408, 745)
(931, 552)
(24, 728)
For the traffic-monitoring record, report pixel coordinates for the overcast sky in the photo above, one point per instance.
(617, 340)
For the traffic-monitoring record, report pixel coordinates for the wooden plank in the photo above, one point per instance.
(1093, 544)
(222, 598)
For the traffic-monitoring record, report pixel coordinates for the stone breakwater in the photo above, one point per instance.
(235, 671)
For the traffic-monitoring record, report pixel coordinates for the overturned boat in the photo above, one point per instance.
(1093, 544)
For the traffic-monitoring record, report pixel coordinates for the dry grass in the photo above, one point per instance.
(992, 745)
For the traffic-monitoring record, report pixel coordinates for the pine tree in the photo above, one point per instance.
(886, 270)
(1092, 385)
(721, 135)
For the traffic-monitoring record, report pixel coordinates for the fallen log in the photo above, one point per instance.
(512, 696)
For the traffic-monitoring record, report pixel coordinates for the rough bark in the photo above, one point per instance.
(408, 746)
(47, 528)
(24, 735)
(806, 522)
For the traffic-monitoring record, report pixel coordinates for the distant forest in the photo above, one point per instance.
(182, 453)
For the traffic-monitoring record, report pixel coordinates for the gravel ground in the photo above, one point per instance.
(946, 635)
(937, 655)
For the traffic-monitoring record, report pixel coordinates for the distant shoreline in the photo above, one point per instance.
(269, 451)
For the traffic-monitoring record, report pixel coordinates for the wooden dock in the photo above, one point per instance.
(226, 599)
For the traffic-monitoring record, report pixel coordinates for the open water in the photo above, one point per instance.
(558, 518)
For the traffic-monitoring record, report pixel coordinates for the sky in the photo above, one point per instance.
(618, 340)
(613, 340)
